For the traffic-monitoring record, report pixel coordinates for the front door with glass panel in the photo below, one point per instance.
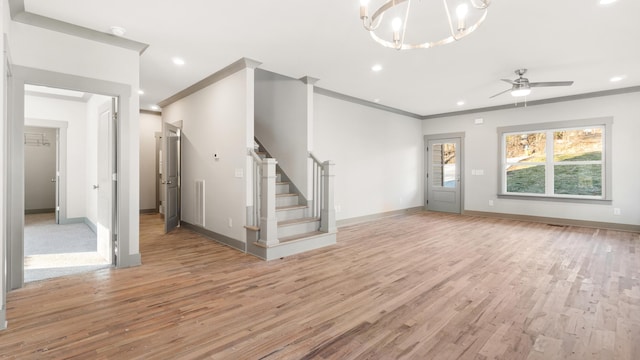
(443, 175)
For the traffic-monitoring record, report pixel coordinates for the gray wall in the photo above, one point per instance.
(378, 156)
(39, 169)
(217, 120)
(481, 153)
(281, 123)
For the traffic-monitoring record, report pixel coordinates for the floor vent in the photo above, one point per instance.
(199, 218)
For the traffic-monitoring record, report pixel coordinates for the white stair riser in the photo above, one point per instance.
(286, 200)
(295, 229)
(282, 188)
(290, 214)
(292, 248)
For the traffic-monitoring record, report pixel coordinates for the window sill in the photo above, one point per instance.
(556, 199)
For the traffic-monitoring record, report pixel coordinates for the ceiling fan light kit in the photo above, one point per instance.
(522, 87)
(462, 20)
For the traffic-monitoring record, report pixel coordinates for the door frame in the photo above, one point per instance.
(61, 162)
(15, 178)
(158, 177)
(459, 160)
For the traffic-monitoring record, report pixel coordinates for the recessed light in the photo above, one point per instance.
(118, 30)
(460, 103)
(155, 107)
(376, 67)
(606, 2)
(178, 61)
(140, 92)
(617, 78)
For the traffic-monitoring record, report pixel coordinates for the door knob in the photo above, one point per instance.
(53, 179)
(96, 187)
(169, 182)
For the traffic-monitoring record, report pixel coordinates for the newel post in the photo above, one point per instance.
(268, 221)
(328, 213)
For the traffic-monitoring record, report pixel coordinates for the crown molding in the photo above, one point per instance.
(537, 102)
(243, 63)
(19, 14)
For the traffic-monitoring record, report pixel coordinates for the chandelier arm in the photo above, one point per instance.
(484, 4)
(373, 24)
(386, 6)
(404, 26)
(446, 10)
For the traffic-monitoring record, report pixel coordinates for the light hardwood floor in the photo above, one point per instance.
(420, 286)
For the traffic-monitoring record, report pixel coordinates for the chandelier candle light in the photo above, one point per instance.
(425, 21)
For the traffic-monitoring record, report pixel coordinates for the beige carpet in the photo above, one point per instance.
(53, 250)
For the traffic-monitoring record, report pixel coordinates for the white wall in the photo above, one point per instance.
(74, 114)
(378, 157)
(281, 123)
(481, 152)
(38, 48)
(39, 169)
(149, 125)
(215, 121)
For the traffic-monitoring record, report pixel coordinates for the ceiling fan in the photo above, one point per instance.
(522, 87)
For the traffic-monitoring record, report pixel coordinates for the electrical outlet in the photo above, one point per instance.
(616, 211)
(490, 202)
(230, 222)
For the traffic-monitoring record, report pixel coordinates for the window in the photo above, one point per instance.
(560, 160)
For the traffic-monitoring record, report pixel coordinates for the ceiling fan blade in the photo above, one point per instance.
(500, 93)
(551, 83)
(508, 81)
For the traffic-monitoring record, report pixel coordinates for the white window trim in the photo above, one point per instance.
(605, 123)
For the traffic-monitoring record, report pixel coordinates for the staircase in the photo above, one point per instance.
(298, 229)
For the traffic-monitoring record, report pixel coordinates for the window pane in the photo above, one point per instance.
(577, 145)
(578, 179)
(525, 179)
(444, 165)
(526, 147)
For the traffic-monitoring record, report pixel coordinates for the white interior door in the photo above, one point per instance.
(106, 182)
(443, 175)
(171, 175)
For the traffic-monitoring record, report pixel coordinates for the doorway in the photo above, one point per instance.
(73, 234)
(125, 221)
(443, 179)
(171, 143)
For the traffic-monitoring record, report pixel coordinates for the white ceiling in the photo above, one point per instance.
(556, 40)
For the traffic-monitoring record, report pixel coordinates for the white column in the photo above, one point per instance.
(328, 218)
(268, 221)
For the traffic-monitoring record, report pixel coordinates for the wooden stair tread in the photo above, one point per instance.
(285, 195)
(288, 239)
(292, 207)
(297, 221)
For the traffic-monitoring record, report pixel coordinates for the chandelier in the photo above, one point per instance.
(389, 23)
